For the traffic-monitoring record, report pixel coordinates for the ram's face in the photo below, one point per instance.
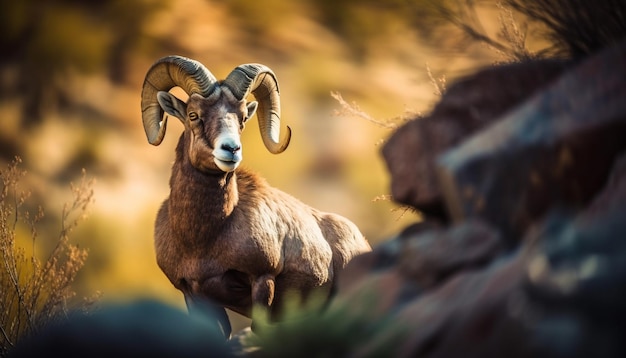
(214, 126)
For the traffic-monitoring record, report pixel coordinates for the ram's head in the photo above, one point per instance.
(216, 111)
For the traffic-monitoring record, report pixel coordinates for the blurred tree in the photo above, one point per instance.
(361, 24)
(45, 41)
(258, 18)
(365, 23)
(127, 19)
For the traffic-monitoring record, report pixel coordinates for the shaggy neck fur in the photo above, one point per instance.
(194, 193)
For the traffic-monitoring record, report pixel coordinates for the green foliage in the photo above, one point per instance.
(339, 329)
(35, 291)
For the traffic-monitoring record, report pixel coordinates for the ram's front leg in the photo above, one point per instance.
(209, 311)
(262, 291)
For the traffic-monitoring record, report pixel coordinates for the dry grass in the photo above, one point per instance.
(576, 28)
(35, 287)
(512, 34)
(353, 110)
(439, 83)
(509, 42)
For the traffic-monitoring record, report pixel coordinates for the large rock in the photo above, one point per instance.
(145, 328)
(614, 192)
(577, 277)
(560, 294)
(417, 261)
(552, 285)
(467, 107)
(561, 298)
(475, 313)
(428, 256)
(555, 150)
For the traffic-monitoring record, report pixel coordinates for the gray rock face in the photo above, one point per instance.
(556, 149)
(533, 262)
(467, 107)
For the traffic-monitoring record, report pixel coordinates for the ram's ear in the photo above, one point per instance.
(172, 105)
(252, 106)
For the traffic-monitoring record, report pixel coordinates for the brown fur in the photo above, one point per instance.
(231, 239)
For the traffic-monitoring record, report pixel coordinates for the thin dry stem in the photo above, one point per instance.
(511, 39)
(438, 83)
(33, 293)
(353, 110)
(403, 209)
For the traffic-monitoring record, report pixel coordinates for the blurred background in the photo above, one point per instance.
(71, 73)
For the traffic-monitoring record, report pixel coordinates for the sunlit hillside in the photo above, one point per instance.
(81, 110)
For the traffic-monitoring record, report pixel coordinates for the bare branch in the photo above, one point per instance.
(33, 294)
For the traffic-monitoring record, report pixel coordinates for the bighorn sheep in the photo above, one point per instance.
(224, 235)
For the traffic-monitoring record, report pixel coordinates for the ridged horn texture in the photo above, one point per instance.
(165, 74)
(261, 82)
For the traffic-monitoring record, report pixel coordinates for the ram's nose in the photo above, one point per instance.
(231, 147)
(227, 153)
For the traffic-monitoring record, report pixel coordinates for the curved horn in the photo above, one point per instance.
(261, 81)
(166, 73)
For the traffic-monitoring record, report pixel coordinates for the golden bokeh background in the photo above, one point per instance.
(70, 81)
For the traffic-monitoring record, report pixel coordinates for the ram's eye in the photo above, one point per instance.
(193, 116)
